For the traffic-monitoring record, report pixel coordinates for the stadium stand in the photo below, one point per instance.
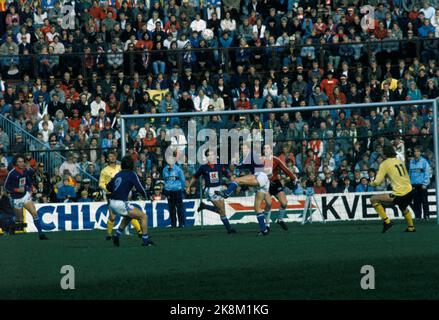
(65, 82)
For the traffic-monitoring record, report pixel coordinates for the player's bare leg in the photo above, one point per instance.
(221, 210)
(30, 206)
(282, 198)
(125, 221)
(143, 219)
(267, 208)
(248, 180)
(139, 216)
(259, 199)
(377, 202)
(220, 207)
(123, 224)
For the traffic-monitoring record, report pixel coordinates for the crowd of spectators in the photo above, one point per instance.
(68, 81)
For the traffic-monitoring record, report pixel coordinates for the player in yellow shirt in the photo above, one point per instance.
(106, 175)
(395, 170)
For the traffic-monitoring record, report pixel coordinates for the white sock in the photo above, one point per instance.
(267, 217)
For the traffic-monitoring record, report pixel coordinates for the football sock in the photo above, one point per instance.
(231, 188)
(210, 208)
(267, 215)
(145, 238)
(110, 225)
(226, 223)
(282, 213)
(119, 232)
(37, 223)
(136, 225)
(261, 221)
(18, 226)
(409, 219)
(381, 212)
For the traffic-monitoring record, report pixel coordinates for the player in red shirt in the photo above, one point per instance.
(275, 166)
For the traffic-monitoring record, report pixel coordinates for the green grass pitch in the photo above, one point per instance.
(318, 261)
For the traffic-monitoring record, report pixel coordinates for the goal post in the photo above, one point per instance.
(183, 115)
(436, 153)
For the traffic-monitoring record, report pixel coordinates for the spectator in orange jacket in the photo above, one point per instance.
(242, 103)
(329, 84)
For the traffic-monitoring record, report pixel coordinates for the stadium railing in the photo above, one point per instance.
(30, 63)
(41, 152)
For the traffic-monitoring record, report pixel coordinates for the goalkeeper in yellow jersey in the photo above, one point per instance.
(395, 170)
(106, 175)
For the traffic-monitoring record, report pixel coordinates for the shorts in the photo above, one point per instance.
(264, 182)
(120, 207)
(210, 193)
(19, 203)
(276, 187)
(402, 201)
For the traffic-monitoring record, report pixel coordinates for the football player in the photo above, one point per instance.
(120, 186)
(213, 174)
(106, 175)
(256, 178)
(19, 185)
(273, 165)
(395, 170)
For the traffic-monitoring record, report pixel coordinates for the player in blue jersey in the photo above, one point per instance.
(213, 174)
(120, 186)
(257, 178)
(19, 185)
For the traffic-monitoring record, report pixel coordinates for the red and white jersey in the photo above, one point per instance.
(273, 166)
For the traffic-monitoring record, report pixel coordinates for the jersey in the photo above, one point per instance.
(274, 166)
(106, 175)
(212, 174)
(17, 179)
(122, 183)
(396, 171)
(174, 178)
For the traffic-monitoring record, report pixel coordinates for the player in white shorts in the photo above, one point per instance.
(120, 207)
(120, 186)
(19, 185)
(212, 174)
(257, 179)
